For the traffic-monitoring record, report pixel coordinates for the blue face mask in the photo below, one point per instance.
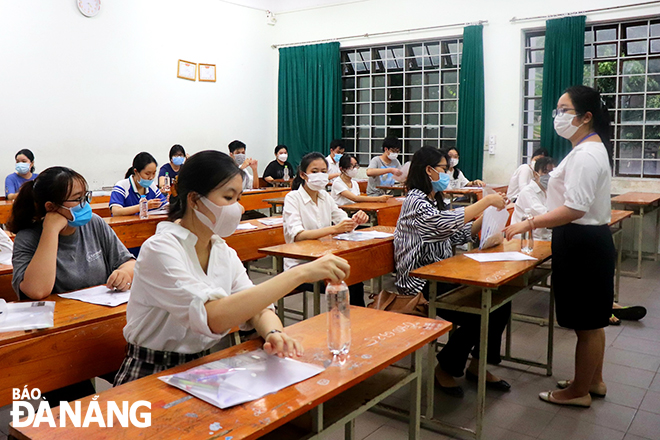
(442, 183)
(144, 183)
(337, 156)
(178, 160)
(81, 215)
(22, 167)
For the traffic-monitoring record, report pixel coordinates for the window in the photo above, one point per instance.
(406, 90)
(622, 61)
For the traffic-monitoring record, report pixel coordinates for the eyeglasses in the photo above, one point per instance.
(355, 167)
(86, 198)
(560, 111)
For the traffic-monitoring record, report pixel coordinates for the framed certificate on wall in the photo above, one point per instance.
(207, 72)
(187, 70)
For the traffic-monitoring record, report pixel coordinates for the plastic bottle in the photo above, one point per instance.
(286, 173)
(166, 184)
(527, 238)
(144, 207)
(339, 318)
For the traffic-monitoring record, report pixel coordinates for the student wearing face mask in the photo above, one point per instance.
(583, 253)
(533, 196)
(345, 190)
(458, 179)
(247, 165)
(24, 173)
(275, 169)
(425, 233)
(139, 181)
(524, 174)
(171, 169)
(191, 288)
(310, 213)
(383, 168)
(336, 153)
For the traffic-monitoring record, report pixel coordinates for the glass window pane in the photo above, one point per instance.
(431, 92)
(414, 79)
(378, 120)
(449, 92)
(363, 145)
(378, 132)
(431, 106)
(363, 82)
(630, 167)
(652, 132)
(655, 46)
(606, 85)
(415, 119)
(630, 132)
(651, 150)
(537, 41)
(431, 132)
(605, 50)
(348, 120)
(395, 107)
(533, 88)
(363, 120)
(448, 119)
(378, 95)
(395, 79)
(653, 101)
(432, 78)
(431, 119)
(651, 168)
(653, 115)
(449, 77)
(605, 68)
(589, 36)
(395, 120)
(632, 67)
(363, 95)
(635, 47)
(653, 83)
(654, 65)
(379, 80)
(432, 48)
(348, 96)
(631, 101)
(396, 94)
(413, 132)
(348, 109)
(348, 82)
(449, 106)
(636, 31)
(412, 145)
(535, 56)
(348, 132)
(414, 107)
(448, 132)
(634, 116)
(633, 83)
(606, 34)
(588, 52)
(378, 108)
(655, 29)
(630, 150)
(363, 133)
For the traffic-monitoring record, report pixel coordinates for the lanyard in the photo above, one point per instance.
(586, 137)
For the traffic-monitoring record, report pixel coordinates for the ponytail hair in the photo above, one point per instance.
(585, 99)
(53, 185)
(307, 159)
(140, 162)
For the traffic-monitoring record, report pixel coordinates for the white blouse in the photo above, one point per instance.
(333, 167)
(300, 213)
(166, 308)
(582, 182)
(338, 187)
(520, 179)
(532, 197)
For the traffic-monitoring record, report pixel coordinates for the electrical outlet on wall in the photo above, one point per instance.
(492, 141)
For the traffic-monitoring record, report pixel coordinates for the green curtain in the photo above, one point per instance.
(470, 136)
(309, 99)
(563, 66)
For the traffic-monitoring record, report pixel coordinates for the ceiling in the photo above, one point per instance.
(279, 6)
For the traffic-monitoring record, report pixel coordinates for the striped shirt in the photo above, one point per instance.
(125, 193)
(424, 235)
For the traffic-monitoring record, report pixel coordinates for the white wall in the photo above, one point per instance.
(90, 93)
(502, 50)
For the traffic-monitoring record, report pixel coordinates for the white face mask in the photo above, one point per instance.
(393, 156)
(317, 181)
(564, 125)
(453, 162)
(227, 217)
(352, 172)
(282, 157)
(239, 158)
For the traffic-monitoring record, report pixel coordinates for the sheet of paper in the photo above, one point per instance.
(272, 221)
(245, 226)
(100, 295)
(362, 236)
(33, 315)
(499, 256)
(5, 258)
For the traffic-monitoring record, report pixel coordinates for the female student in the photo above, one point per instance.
(24, 173)
(171, 169)
(139, 181)
(310, 213)
(275, 169)
(60, 246)
(191, 288)
(457, 178)
(524, 174)
(425, 234)
(533, 196)
(583, 253)
(345, 190)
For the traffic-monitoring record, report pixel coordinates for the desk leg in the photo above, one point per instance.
(415, 397)
(278, 263)
(430, 361)
(317, 419)
(617, 280)
(317, 298)
(349, 430)
(483, 354)
(551, 330)
(657, 234)
(638, 274)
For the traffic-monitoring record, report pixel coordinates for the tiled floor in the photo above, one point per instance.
(631, 410)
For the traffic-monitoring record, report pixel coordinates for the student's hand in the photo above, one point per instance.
(253, 164)
(476, 183)
(396, 171)
(283, 345)
(329, 267)
(55, 221)
(119, 280)
(517, 228)
(360, 218)
(345, 226)
(154, 203)
(384, 198)
(497, 200)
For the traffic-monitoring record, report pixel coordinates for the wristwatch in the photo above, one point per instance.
(273, 331)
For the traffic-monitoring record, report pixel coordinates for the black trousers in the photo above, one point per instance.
(465, 338)
(356, 292)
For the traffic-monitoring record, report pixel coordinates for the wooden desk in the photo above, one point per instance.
(616, 227)
(274, 203)
(488, 291)
(641, 204)
(86, 341)
(5, 210)
(368, 259)
(254, 199)
(100, 199)
(372, 208)
(6, 290)
(247, 242)
(473, 193)
(132, 230)
(101, 209)
(397, 190)
(328, 401)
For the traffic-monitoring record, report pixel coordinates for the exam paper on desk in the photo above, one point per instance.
(499, 256)
(362, 236)
(100, 295)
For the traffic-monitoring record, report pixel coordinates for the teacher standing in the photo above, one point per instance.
(582, 248)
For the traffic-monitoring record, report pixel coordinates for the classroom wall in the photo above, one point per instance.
(90, 93)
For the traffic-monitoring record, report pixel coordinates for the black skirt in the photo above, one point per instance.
(583, 259)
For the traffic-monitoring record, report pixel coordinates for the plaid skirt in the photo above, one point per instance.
(142, 361)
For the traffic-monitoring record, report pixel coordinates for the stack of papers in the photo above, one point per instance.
(500, 256)
(272, 221)
(18, 316)
(362, 236)
(100, 295)
(245, 226)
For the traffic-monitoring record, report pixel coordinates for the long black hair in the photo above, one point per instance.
(585, 99)
(140, 162)
(417, 177)
(53, 185)
(345, 161)
(302, 168)
(201, 173)
(457, 171)
(27, 153)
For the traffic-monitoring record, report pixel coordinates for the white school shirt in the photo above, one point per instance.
(460, 182)
(532, 197)
(166, 308)
(300, 213)
(333, 167)
(338, 187)
(248, 179)
(6, 248)
(582, 182)
(520, 179)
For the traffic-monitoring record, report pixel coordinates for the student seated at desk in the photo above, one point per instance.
(24, 173)
(237, 152)
(191, 288)
(171, 169)
(60, 246)
(310, 213)
(383, 168)
(533, 197)
(524, 174)
(139, 181)
(345, 190)
(275, 169)
(336, 152)
(425, 234)
(457, 178)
